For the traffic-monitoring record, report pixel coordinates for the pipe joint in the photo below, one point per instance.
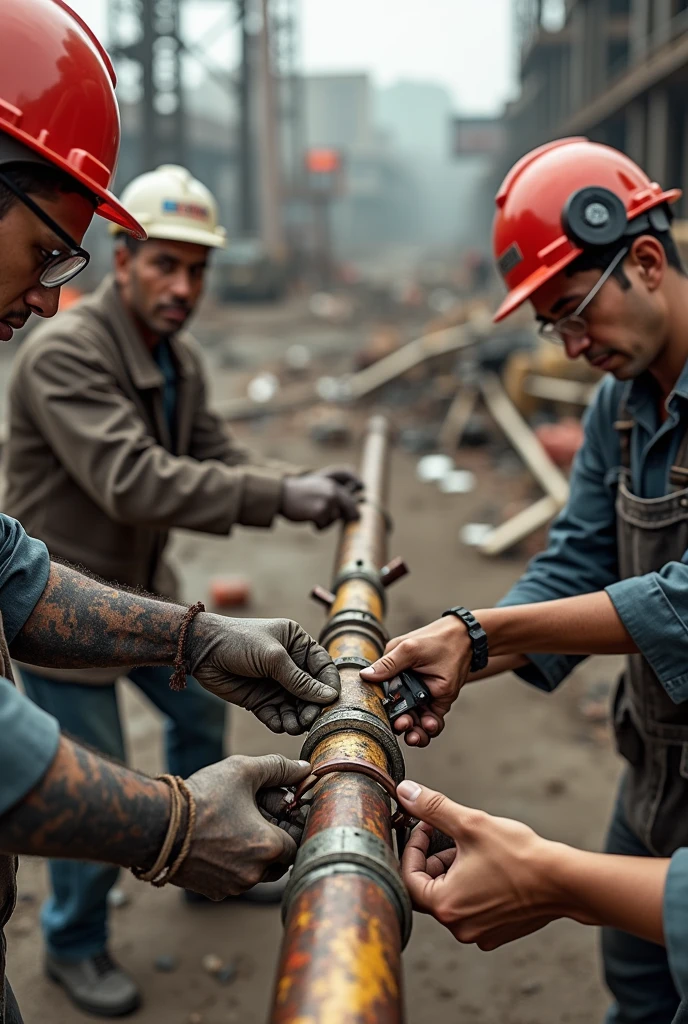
(346, 849)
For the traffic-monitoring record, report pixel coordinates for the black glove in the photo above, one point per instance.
(321, 498)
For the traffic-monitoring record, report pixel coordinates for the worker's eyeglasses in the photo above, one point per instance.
(60, 267)
(573, 327)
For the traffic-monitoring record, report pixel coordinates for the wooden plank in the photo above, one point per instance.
(519, 526)
(507, 416)
(429, 346)
(458, 415)
(365, 382)
(559, 389)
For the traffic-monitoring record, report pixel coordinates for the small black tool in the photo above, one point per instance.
(404, 694)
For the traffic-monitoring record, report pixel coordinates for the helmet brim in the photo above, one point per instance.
(109, 205)
(178, 233)
(523, 291)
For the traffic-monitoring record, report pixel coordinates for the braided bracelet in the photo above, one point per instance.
(178, 679)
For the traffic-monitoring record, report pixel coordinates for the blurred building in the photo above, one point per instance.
(338, 111)
(418, 116)
(613, 70)
(378, 204)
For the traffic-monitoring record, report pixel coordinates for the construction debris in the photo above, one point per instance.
(165, 963)
(432, 468)
(118, 898)
(474, 535)
(329, 427)
(298, 359)
(230, 592)
(263, 388)
(561, 440)
(212, 964)
(457, 481)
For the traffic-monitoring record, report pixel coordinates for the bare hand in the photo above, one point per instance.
(494, 886)
(321, 498)
(234, 846)
(441, 652)
(271, 667)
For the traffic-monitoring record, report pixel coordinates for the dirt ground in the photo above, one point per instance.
(506, 748)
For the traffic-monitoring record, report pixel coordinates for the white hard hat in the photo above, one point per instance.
(172, 204)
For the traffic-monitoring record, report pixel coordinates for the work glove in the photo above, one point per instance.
(271, 667)
(321, 498)
(236, 842)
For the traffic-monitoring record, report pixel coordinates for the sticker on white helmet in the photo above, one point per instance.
(185, 209)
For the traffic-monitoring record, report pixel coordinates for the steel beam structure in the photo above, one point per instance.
(147, 34)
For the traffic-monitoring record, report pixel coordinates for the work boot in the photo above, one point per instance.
(97, 985)
(264, 892)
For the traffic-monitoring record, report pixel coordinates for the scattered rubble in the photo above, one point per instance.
(457, 481)
(431, 468)
(329, 427)
(212, 964)
(117, 898)
(230, 592)
(165, 963)
(475, 534)
(263, 387)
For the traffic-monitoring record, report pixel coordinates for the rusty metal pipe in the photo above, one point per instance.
(346, 911)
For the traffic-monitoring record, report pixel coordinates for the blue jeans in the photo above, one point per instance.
(74, 918)
(636, 971)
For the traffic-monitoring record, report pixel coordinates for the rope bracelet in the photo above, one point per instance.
(178, 679)
(182, 798)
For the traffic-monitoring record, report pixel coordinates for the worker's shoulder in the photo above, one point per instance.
(79, 329)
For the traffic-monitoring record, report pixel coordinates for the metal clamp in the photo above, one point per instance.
(402, 823)
(360, 623)
(343, 850)
(360, 570)
(357, 720)
(344, 764)
(352, 661)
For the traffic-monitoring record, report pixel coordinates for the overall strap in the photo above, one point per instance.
(678, 474)
(624, 425)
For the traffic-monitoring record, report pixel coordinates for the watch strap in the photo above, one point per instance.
(476, 633)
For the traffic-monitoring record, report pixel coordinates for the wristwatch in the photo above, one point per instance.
(476, 633)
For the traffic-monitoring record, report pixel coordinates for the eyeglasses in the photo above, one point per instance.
(60, 267)
(573, 327)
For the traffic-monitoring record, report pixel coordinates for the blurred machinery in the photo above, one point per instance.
(152, 47)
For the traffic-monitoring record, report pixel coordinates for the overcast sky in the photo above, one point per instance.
(466, 45)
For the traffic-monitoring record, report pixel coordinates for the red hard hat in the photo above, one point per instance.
(556, 200)
(57, 96)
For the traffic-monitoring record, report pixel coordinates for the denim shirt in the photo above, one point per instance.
(581, 556)
(28, 736)
(675, 915)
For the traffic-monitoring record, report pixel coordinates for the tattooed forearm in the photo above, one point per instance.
(81, 623)
(89, 809)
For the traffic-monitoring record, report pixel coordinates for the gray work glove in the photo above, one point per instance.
(234, 847)
(321, 498)
(271, 667)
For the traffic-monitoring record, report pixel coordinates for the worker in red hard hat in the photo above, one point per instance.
(583, 233)
(59, 138)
